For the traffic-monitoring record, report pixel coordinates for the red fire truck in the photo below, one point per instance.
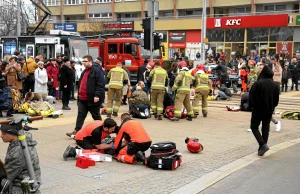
(119, 49)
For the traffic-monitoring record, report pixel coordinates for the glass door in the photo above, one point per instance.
(29, 50)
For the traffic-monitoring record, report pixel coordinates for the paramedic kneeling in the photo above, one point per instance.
(90, 137)
(136, 141)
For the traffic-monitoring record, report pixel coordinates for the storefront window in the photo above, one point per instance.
(297, 49)
(281, 34)
(215, 35)
(257, 34)
(235, 35)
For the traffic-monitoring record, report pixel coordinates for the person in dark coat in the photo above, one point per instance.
(72, 95)
(263, 98)
(66, 82)
(221, 71)
(91, 92)
(294, 68)
(141, 71)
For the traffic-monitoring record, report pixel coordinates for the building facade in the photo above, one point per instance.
(249, 26)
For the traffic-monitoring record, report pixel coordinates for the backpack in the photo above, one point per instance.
(164, 155)
(6, 102)
(170, 112)
(291, 115)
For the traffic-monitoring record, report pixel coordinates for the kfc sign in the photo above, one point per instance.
(284, 47)
(233, 22)
(261, 21)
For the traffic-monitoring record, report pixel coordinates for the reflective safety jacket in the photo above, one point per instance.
(201, 81)
(117, 77)
(159, 78)
(132, 131)
(183, 81)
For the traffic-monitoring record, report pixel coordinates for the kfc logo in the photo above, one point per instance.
(218, 23)
(233, 22)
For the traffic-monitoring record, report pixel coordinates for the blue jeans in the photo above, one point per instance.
(222, 95)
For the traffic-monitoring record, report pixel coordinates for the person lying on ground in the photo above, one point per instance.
(39, 96)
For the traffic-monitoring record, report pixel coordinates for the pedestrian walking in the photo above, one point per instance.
(286, 75)
(90, 93)
(294, 67)
(28, 70)
(263, 98)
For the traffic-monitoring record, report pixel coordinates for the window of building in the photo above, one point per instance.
(130, 15)
(189, 12)
(112, 48)
(168, 14)
(100, 15)
(134, 15)
(99, 1)
(52, 2)
(74, 2)
(118, 0)
(127, 15)
(198, 12)
(278, 7)
(242, 9)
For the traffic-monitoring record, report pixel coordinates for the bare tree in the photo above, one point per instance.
(94, 26)
(8, 20)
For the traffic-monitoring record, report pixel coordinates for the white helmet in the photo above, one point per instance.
(184, 69)
(200, 72)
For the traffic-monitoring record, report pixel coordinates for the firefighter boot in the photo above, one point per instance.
(205, 115)
(108, 116)
(139, 157)
(159, 118)
(189, 118)
(175, 119)
(70, 152)
(115, 114)
(155, 115)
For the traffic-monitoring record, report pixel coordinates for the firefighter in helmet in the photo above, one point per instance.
(158, 78)
(182, 86)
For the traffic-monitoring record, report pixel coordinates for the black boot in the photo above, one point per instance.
(204, 114)
(175, 119)
(189, 118)
(115, 114)
(139, 157)
(70, 152)
(155, 115)
(159, 118)
(65, 107)
(108, 116)
(124, 100)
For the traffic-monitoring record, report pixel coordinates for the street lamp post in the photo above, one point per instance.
(203, 32)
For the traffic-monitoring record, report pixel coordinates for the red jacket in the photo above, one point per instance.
(53, 71)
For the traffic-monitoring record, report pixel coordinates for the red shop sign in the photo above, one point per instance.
(261, 21)
(177, 45)
(284, 47)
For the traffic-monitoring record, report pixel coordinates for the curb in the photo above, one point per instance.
(226, 170)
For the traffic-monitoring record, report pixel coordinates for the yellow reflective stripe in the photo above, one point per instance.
(198, 87)
(116, 107)
(22, 137)
(184, 89)
(108, 108)
(160, 108)
(190, 113)
(177, 112)
(204, 76)
(195, 108)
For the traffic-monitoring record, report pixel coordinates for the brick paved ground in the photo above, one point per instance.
(223, 135)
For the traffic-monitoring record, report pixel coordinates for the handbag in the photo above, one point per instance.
(20, 75)
(289, 84)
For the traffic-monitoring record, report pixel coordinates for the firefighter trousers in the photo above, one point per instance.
(200, 94)
(127, 154)
(183, 97)
(110, 100)
(157, 101)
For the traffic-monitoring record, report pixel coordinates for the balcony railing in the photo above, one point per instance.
(172, 17)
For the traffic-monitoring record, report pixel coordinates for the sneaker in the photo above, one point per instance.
(72, 133)
(263, 149)
(278, 126)
(70, 152)
(249, 130)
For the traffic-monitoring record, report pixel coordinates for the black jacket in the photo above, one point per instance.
(95, 85)
(140, 73)
(224, 89)
(66, 78)
(221, 70)
(264, 94)
(294, 70)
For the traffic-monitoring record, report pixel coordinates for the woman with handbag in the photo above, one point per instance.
(14, 74)
(41, 78)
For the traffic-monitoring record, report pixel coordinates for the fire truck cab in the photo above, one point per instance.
(128, 51)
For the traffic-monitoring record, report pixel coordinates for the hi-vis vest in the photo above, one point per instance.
(201, 81)
(159, 76)
(187, 80)
(117, 75)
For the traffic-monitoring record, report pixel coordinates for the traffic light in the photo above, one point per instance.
(147, 32)
(156, 42)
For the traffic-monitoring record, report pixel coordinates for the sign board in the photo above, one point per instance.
(177, 36)
(46, 40)
(261, 21)
(70, 27)
(298, 20)
(284, 47)
(118, 26)
(177, 45)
